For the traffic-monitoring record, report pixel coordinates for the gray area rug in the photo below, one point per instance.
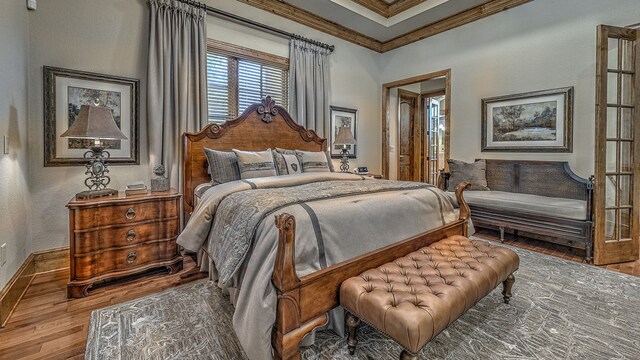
(560, 310)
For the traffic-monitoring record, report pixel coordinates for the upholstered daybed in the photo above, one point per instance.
(537, 197)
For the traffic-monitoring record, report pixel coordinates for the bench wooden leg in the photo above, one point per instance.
(501, 228)
(506, 288)
(352, 323)
(405, 355)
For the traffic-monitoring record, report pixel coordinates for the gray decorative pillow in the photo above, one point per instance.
(293, 163)
(473, 173)
(281, 165)
(314, 161)
(223, 166)
(286, 151)
(253, 164)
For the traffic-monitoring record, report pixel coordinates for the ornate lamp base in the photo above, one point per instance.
(344, 162)
(92, 194)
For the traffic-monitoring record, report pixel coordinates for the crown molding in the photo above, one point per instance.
(304, 17)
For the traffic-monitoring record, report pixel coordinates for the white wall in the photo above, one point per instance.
(14, 169)
(107, 37)
(540, 45)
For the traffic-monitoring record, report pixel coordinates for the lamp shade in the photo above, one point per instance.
(94, 122)
(344, 137)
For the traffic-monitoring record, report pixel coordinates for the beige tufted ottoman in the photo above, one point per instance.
(415, 297)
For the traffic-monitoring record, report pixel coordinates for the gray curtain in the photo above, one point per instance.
(176, 81)
(309, 85)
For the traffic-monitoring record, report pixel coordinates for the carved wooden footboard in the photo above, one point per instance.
(303, 303)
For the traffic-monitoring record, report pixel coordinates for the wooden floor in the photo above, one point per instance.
(46, 325)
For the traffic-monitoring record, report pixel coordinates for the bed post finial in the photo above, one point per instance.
(284, 276)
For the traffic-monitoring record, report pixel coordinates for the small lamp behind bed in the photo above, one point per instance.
(344, 138)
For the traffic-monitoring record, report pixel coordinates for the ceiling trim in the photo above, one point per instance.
(388, 10)
(459, 19)
(314, 21)
(304, 17)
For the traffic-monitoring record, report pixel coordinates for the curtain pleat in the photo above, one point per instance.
(176, 81)
(309, 85)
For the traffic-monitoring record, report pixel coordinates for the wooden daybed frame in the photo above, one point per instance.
(303, 302)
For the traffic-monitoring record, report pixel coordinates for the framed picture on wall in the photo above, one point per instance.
(539, 121)
(65, 91)
(341, 116)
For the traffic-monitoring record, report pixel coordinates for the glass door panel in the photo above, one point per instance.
(616, 190)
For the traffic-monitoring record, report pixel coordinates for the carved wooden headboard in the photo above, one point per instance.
(261, 126)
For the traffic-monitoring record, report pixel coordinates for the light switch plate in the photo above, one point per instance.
(6, 144)
(32, 4)
(3, 254)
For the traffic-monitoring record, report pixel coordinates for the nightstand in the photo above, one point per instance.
(118, 236)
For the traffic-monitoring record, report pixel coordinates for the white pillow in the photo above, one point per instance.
(314, 161)
(253, 164)
(293, 164)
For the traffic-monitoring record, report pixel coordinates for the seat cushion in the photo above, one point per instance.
(543, 205)
(415, 297)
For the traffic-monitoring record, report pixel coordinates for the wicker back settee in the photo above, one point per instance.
(537, 197)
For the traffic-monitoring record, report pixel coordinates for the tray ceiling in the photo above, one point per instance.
(383, 25)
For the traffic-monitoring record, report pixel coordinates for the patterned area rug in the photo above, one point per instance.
(560, 310)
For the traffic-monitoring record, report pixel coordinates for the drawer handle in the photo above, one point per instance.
(131, 236)
(132, 257)
(131, 214)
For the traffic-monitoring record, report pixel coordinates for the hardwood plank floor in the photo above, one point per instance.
(46, 325)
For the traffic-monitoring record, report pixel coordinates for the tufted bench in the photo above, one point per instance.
(415, 297)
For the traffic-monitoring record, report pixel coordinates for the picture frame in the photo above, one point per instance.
(538, 121)
(341, 116)
(65, 91)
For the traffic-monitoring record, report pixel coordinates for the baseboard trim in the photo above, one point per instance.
(36, 262)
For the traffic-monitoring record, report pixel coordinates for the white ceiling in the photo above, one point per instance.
(356, 17)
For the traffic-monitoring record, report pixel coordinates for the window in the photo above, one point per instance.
(238, 77)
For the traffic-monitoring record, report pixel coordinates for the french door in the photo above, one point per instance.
(617, 156)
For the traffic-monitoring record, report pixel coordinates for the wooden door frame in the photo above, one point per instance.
(605, 253)
(416, 131)
(386, 100)
(424, 169)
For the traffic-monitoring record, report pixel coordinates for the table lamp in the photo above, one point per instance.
(95, 123)
(344, 138)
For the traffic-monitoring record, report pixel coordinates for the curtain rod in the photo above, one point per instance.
(254, 24)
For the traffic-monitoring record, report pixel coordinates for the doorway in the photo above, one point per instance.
(415, 127)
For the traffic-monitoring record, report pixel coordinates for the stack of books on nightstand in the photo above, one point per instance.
(136, 188)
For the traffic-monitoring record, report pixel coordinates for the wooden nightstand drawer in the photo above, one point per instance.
(125, 235)
(118, 236)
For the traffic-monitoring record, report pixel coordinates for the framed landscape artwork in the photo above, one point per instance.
(65, 91)
(342, 117)
(539, 121)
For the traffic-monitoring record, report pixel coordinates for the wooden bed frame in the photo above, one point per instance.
(303, 302)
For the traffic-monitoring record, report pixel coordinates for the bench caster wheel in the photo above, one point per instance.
(405, 355)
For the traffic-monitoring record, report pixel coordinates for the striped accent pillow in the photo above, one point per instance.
(223, 166)
(286, 151)
(253, 164)
(314, 161)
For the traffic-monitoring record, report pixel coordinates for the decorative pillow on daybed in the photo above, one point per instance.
(253, 164)
(474, 173)
(314, 161)
(223, 166)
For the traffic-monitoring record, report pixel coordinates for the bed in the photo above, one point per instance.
(283, 263)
